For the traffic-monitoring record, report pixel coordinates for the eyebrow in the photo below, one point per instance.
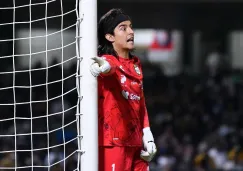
(122, 25)
(125, 25)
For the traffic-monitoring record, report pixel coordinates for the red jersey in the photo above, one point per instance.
(121, 105)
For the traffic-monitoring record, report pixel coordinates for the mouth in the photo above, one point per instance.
(131, 39)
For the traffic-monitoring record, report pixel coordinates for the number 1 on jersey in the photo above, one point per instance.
(113, 166)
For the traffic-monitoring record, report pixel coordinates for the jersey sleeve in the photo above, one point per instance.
(111, 60)
(143, 108)
(144, 112)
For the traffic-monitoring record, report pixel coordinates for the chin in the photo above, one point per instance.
(130, 47)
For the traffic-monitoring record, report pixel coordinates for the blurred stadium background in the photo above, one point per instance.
(192, 59)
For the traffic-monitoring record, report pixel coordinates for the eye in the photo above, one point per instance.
(123, 28)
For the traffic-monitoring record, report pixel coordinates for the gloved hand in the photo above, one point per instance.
(149, 146)
(100, 65)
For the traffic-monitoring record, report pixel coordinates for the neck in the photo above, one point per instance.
(122, 53)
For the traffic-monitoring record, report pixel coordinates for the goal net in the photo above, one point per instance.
(42, 63)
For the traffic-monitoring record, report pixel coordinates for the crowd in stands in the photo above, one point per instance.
(197, 120)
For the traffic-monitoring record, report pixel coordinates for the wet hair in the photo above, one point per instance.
(106, 25)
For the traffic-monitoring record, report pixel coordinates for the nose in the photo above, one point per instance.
(130, 30)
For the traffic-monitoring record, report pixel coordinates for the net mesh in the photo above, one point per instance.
(38, 92)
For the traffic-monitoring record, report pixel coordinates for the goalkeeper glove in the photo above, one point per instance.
(100, 65)
(149, 146)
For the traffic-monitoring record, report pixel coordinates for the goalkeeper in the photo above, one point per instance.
(126, 142)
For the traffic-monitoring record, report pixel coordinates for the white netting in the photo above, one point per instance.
(38, 93)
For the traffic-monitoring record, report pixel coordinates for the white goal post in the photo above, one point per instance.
(48, 97)
(88, 86)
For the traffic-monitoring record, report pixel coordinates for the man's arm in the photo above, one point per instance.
(148, 140)
(144, 112)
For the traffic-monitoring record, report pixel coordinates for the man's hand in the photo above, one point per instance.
(149, 146)
(100, 65)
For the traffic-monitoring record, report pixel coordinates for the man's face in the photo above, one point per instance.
(123, 38)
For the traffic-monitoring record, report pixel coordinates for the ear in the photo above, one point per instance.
(110, 38)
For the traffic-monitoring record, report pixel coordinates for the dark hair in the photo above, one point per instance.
(106, 25)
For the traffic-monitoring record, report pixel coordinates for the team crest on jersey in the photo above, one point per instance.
(137, 69)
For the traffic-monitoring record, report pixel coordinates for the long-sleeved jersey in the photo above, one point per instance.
(121, 105)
